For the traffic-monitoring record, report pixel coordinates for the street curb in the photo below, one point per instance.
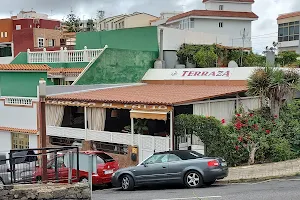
(253, 180)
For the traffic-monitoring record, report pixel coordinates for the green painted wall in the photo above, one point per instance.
(119, 66)
(143, 39)
(21, 58)
(21, 84)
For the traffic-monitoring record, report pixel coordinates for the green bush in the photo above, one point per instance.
(280, 150)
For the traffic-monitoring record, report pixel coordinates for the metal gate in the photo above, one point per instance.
(151, 144)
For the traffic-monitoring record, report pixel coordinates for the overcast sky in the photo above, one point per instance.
(264, 30)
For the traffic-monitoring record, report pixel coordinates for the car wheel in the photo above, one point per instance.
(209, 183)
(38, 179)
(1, 183)
(127, 183)
(83, 180)
(193, 179)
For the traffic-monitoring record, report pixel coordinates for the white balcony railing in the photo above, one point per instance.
(63, 56)
(18, 101)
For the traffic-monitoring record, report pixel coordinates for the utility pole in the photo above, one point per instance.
(42, 122)
(244, 35)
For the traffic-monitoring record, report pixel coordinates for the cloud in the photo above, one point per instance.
(263, 31)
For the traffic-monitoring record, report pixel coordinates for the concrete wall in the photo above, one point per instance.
(6, 60)
(170, 58)
(33, 141)
(46, 191)
(231, 28)
(238, 7)
(119, 66)
(174, 38)
(21, 84)
(140, 20)
(47, 34)
(6, 25)
(5, 142)
(18, 116)
(142, 39)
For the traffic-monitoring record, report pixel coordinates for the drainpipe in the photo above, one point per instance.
(161, 49)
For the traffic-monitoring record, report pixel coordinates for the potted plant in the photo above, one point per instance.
(140, 127)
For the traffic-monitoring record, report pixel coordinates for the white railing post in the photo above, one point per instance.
(29, 60)
(61, 54)
(44, 55)
(85, 54)
(66, 56)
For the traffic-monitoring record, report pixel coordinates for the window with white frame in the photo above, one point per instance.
(40, 42)
(187, 23)
(220, 24)
(18, 27)
(51, 42)
(2, 34)
(5, 34)
(192, 23)
(221, 7)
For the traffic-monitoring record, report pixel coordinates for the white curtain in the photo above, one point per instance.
(96, 118)
(201, 109)
(250, 104)
(223, 110)
(220, 109)
(54, 115)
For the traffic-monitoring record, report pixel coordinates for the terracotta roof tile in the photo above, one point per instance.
(24, 67)
(242, 1)
(152, 94)
(288, 15)
(65, 70)
(18, 130)
(214, 13)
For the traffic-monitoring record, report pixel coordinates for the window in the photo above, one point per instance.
(116, 26)
(5, 34)
(220, 24)
(221, 7)
(288, 31)
(18, 27)
(123, 25)
(2, 34)
(187, 155)
(51, 42)
(100, 27)
(173, 158)
(112, 25)
(20, 141)
(40, 42)
(106, 158)
(192, 23)
(157, 158)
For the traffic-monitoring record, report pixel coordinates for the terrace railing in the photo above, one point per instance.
(63, 55)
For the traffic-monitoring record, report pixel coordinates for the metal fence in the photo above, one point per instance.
(24, 166)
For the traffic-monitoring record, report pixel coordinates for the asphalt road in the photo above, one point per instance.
(285, 189)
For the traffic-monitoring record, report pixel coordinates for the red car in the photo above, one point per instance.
(106, 166)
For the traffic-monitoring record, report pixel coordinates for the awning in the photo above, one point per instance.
(141, 114)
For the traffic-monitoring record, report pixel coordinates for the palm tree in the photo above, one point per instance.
(277, 85)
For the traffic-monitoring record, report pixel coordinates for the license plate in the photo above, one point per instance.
(108, 171)
(223, 164)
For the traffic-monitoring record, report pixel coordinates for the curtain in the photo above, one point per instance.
(96, 118)
(54, 115)
(250, 104)
(223, 110)
(201, 109)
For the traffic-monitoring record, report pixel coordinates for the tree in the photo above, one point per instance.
(206, 57)
(276, 85)
(90, 25)
(72, 23)
(287, 58)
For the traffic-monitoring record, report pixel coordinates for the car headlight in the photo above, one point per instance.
(113, 174)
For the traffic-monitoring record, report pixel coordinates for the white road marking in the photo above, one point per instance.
(187, 198)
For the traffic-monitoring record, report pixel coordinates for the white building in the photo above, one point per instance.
(164, 16)
(31, 15)
(288, 32)
(225, 17)
(133, 20)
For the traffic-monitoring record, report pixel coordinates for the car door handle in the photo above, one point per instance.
(164, 167)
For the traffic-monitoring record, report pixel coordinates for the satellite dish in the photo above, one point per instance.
(232, 64)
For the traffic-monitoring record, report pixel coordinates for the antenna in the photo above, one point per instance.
(244, 36)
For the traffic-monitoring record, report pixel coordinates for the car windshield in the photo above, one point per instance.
(188, 155)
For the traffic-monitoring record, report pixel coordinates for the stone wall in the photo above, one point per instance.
(46, 192)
